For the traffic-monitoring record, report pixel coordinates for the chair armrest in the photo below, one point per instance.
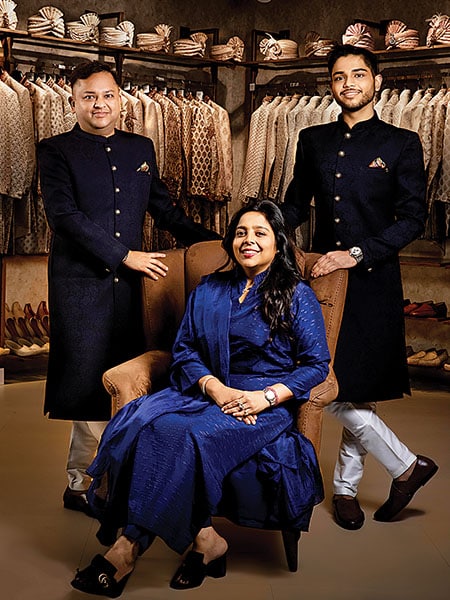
(310, 414)
(325, 392)
(331, 292)
(136, 377)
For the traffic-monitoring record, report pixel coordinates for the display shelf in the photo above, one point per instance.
(18, 368)
(422, 334)
(50, 47)
(434, 377)
(420, 53)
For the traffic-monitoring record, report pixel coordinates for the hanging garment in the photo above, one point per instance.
(331, 112)
(397, 111)
(256, 149)
(56, 108)
(419, 109)
(69, 117)
(26, 124)
(443, 185)
(134, 113)
(186, 125)
(204, 158)
(317, 115)
(224, 187)
(406, 120)
(275, 108)
(281, 141)
(384, 97)
(41, 112)
(388, 108)
(6, 222)
(437, 137)
(291, 148)
(12, 143)
(172, 173)
(426, 126)
(153, 125)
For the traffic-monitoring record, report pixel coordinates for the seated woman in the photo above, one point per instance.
(249, 349)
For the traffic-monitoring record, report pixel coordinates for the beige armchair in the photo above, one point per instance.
(163, 307)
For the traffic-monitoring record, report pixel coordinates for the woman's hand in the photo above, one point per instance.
(240, 404)
(231, 401)
(245, 406)
(147, 262)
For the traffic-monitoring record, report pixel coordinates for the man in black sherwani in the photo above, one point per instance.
(368, 183)
(98, 183)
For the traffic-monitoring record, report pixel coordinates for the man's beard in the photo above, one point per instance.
(365, 100)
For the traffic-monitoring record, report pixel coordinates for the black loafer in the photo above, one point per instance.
(77, 501)
(402, 492)
(98, 579)
(347, 512)
(193, 571)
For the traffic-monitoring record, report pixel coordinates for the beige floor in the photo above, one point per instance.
(41, 544)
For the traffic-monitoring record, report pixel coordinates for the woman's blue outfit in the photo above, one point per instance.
(165, 459)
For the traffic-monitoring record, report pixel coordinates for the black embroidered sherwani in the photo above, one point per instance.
(368, 186)
(96, 192)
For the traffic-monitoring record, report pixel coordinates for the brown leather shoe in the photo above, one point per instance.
(347, 512)
(402, 492)
(430, 309)
(409, 308)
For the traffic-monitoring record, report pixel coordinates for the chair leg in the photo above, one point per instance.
(290, 542)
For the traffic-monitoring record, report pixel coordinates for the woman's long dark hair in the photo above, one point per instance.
(283, 274)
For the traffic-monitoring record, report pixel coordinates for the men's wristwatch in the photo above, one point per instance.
(356, 253)
(271, 396)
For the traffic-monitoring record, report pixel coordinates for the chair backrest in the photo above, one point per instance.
(201, 259)
(163, 303)
(164, 300)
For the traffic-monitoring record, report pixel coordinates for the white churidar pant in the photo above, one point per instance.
(364, 432)
(84, 440)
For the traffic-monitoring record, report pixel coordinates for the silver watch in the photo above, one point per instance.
(356, 253)
(270, 396)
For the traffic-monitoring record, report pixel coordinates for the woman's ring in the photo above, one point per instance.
(241, 406)
(246, 412)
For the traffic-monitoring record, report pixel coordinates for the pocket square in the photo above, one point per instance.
(377, 163)
(144, 168)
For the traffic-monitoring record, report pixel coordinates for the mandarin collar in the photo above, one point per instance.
(361, 126)
(99, 139)
(241, 276)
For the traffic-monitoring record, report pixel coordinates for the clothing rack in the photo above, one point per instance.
(138, 75)
(305, 83)
(165, 84)
(429, 75)
(33, 69)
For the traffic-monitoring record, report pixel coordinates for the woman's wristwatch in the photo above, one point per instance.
(271, 396)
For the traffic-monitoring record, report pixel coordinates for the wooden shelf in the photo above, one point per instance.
(384, 56)
(127, 52)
